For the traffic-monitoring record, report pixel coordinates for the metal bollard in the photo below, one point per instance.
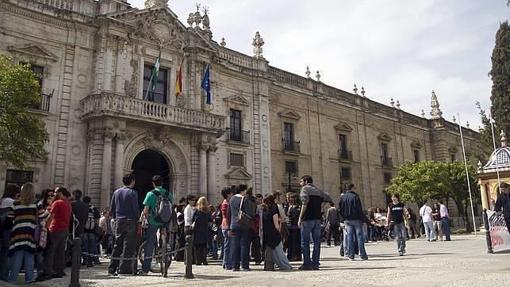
(487, 231)
(188, 254)
(75, 263)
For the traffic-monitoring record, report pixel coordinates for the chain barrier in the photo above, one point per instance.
(135, 258)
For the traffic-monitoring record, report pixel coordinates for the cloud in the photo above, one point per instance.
(396, 48)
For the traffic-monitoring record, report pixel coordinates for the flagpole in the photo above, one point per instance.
(494, 145)
(467, 174)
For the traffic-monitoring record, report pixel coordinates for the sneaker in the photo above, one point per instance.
(43, 277)
(364, 258)
(246, 269)
(235, 269)
(401, 253)
(112, 273)
(315, 267)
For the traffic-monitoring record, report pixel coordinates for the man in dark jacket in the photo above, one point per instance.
(503, 203)
(80, 211)
(351, 211)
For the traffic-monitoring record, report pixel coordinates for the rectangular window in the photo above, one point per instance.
(342, 140)
(18, 177)
(236, 159)
(235, 125)
(38, 71)
(159, 94)
(416, 155)
(288, 136)
(453, 157)
(345, 173)
(384, 151)
(387, 178)
(291, 167)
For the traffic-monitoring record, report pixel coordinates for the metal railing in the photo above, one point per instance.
(345, 154)
(238, 136)
(290, 146)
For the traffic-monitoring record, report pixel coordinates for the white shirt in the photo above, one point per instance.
(426, 213)
(189, 211)
(443, 211)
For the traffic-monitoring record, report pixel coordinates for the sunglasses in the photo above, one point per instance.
(51, 195)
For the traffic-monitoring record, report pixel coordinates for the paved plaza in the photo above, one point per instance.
(461, 262)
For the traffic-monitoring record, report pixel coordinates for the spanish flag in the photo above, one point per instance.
(178, 81)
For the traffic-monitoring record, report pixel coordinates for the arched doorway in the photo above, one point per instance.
(147, 164)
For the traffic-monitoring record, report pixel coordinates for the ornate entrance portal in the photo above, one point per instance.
(147, 164)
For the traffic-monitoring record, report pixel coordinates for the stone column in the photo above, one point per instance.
(483, 194)
(203, 168)
(107, 168)
(211, 172)
(119, 159)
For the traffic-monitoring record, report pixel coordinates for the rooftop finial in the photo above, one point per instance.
(434, 104)
(257, 44)
(398, 104)
(362, 91)
(355, 90)
(318, 76)
(155, 3)
(392, 103)
(504, 140)
(454, 120)
(223, 43)
(308, 73)
(422, 113)
(467, 124)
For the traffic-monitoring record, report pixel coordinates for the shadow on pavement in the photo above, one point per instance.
(214, 277)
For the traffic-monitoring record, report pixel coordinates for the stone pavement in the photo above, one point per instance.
(461, 262)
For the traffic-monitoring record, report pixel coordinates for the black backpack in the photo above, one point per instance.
(163, 212)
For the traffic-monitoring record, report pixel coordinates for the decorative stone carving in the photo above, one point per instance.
(240, 100)
(422, 113)
(289, 114)
(131, 86)
(343, 127)
(257, 44)
(318, 76)
(355, 89)
(434, 104)
(33, 51)
(308, 73)
(362, 91)
(384, 137)
(238, 173)
(156, 3)
(416, 144)
(161, 27)
(223, 43)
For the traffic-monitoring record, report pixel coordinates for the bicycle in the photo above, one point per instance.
(161, 253)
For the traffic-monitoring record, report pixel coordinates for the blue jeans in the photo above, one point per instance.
(240, 249)
(311, 227)
(227, 258)
(150, 242)
(354, 227)
(16, 260)
(280, 259)
(399, 230)
(446, 227)
(89, 245)
(429, 230)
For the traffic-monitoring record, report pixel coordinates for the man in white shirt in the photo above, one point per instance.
(445, 220)
(426, 215)
(189, 211)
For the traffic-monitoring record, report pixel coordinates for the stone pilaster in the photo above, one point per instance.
(203, 168)
(119, 158)
(106, 175)
(211, 172)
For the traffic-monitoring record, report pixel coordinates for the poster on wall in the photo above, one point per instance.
(500, 238)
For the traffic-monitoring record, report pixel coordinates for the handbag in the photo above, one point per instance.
(244, 220)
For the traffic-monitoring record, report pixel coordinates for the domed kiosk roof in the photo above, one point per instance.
(500, 158)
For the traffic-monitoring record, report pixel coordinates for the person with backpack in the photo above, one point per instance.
(89, 235)
(158, 213)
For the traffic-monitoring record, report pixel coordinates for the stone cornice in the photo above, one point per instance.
(71, 19)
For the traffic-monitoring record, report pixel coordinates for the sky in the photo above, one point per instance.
(396, 49)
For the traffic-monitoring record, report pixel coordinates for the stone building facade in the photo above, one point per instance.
(264, 126)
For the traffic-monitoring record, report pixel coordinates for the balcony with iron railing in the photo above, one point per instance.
(114, 105)
(44, 103)
(386, 162)
(290, 146)
(344, 154)
(238, 136)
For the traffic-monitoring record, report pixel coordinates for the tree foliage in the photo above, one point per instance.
(22, 132)
(434, 180)
(485, 132)
(500, 75)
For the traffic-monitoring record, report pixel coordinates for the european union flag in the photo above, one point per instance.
(206, 84)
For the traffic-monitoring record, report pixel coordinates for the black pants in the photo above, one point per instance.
(256, 251)
(124, 246)
(294, 244)
(333, 232)
(54, 256)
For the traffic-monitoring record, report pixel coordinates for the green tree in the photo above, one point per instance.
(456, 188)
(22, 132)
(485, 132)
(500, 75)
(426, 180)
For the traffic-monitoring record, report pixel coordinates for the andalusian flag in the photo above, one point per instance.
(178, 81)
(154, 76)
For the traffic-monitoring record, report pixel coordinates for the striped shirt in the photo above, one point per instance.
(24, 219)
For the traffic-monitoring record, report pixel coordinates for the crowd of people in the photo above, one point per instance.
(275, 228)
